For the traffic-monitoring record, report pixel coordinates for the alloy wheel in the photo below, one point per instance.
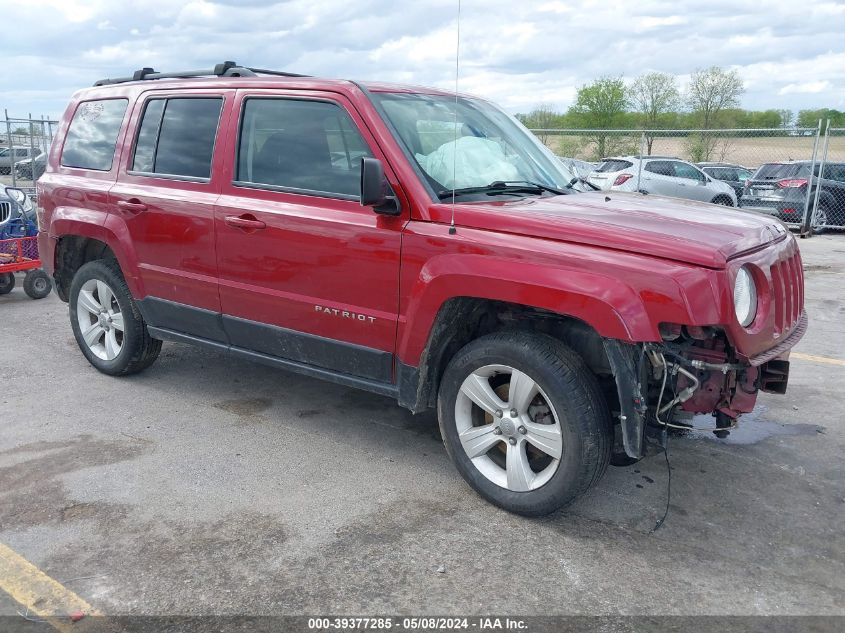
(508, 428)
(100, 319)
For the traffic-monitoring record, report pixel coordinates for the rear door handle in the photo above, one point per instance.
(133, 205)
(246, 222)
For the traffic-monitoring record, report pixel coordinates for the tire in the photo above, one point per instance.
(37, 284)
(7, 283)
(723, 200)
(567, 412)
(114, 351)
(821, 217)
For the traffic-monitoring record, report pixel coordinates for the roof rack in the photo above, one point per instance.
(226, 69)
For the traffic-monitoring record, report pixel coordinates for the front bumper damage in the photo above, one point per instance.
(696, 372)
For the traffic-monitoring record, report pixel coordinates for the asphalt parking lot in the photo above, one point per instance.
(209, 485)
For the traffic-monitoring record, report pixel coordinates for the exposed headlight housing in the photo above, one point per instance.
(745, 297)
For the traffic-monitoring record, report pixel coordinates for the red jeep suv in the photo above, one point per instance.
(418, 245)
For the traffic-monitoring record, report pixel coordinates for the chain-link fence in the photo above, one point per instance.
(773, 171)
(24, 145)
(794, 174)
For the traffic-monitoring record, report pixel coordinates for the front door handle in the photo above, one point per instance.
(133, 205)
(245, 222)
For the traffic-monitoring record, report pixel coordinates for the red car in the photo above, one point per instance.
(419, 246)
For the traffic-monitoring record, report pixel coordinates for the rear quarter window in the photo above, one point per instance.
(614, 165)
(92, 136)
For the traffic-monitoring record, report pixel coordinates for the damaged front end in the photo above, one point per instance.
(694, 370)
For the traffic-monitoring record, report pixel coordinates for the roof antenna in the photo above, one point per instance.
(452, 229)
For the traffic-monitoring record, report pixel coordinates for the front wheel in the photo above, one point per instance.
(524, 421)
(106, 322)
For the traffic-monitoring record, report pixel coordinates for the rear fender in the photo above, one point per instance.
(102, 226)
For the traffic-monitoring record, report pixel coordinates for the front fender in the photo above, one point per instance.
(621, 295)
(611, 307)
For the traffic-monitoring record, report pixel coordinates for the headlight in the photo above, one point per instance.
(745, 297)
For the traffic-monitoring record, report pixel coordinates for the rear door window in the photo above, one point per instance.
(92, 136)
(660, 167)
(176, 137)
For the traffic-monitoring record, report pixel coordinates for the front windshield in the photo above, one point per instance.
(484, 146)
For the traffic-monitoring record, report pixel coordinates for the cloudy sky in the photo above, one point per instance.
(790, 53)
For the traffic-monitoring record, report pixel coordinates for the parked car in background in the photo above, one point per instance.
(662, 175)
(781, 189)
(734, 175)
(31, 168)
(581, 168)
(10, 155)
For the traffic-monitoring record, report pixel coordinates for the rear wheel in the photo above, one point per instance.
(820, 220)
(524, 421)
(106, 322)
(37, 284)
(7, 283)
(724, 201)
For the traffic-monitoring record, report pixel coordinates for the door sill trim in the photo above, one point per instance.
(373, 386)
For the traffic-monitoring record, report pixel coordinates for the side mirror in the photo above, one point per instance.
(375, 191)
(17, 195)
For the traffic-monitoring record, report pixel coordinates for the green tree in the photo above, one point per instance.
(599, 106)
(711, 91)
(655, 96)
(542, 117)
(810, 118)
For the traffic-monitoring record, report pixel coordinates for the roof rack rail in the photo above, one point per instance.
(226, 69)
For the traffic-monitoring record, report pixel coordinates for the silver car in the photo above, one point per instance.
(661, 175)
(10, 155)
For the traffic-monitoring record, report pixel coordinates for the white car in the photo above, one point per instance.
(661, 175)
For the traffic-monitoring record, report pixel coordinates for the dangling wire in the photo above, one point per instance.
(452, 229)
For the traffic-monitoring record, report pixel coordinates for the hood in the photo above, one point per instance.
(671, 228)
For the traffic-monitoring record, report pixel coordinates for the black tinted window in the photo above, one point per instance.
(662, 167)
(309, 145)
(185, 130)
(835, 172)
(614, 165)
(92, 136)
(721, 173)
(145, 146)
(776, 171)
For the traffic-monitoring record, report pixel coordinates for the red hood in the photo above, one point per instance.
(671, 228)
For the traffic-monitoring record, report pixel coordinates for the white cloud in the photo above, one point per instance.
(651, 22)
(519, 54)
(807, 87)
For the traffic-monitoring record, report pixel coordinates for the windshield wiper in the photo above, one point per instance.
(501, 186)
